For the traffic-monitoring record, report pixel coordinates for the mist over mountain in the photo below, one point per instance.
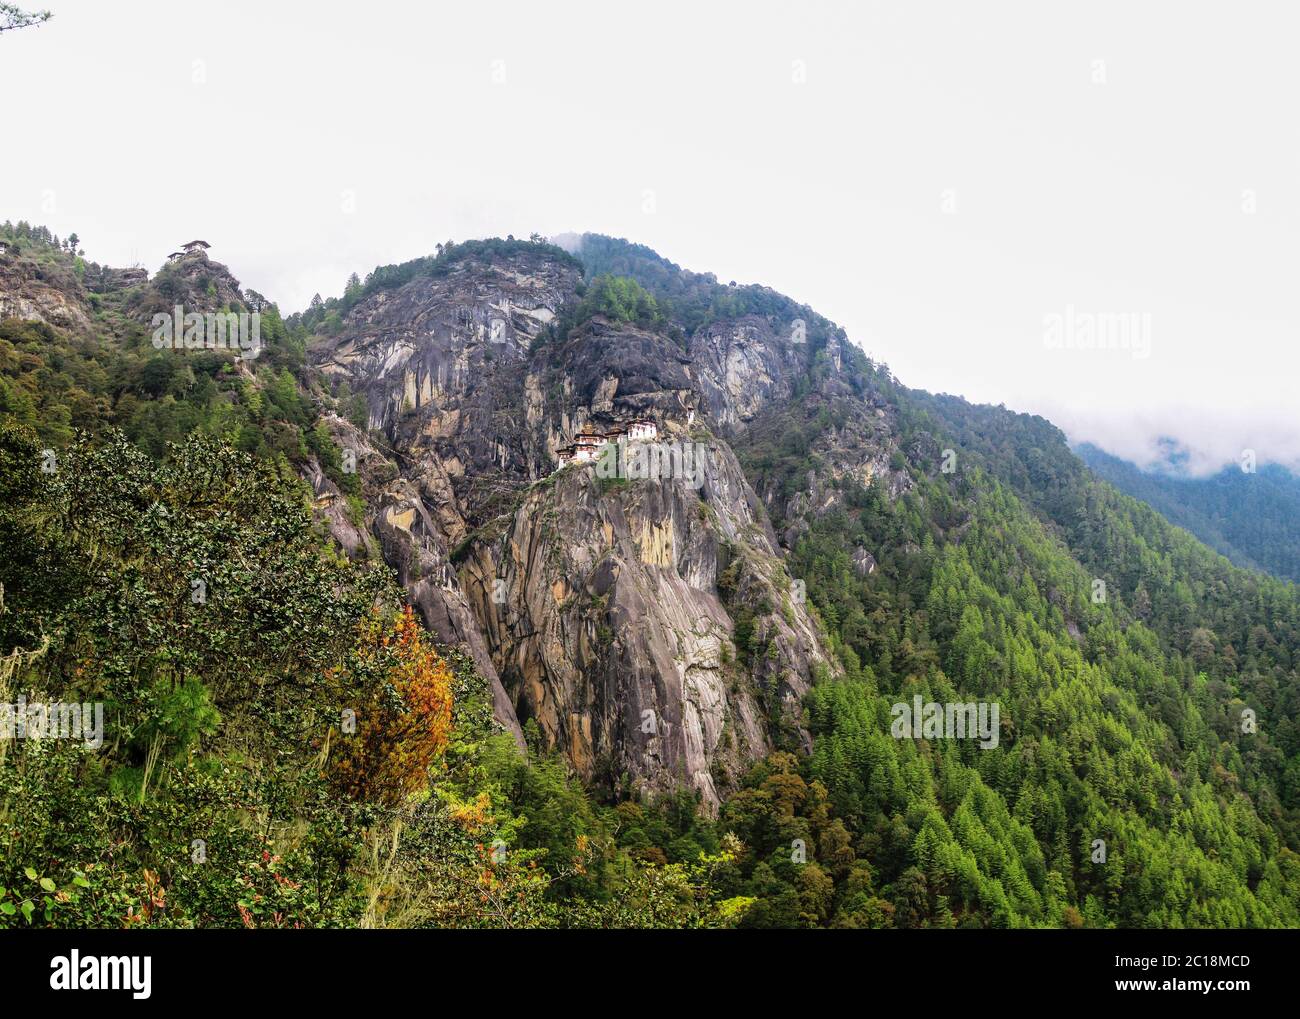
(1252, 517)
(1194, 441)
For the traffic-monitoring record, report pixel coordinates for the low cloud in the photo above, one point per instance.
(1198, 442)
(570, 242)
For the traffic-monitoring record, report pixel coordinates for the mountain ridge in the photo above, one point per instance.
(853, 544)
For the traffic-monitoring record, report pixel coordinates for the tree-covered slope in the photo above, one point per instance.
(1252, 517)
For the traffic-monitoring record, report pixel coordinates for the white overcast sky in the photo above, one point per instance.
(936, 177)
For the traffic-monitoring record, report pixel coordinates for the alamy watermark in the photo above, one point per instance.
(972, 720)
(75, 972)
(1103, 330)
(654, 461)
(227, 330)
(53, 720)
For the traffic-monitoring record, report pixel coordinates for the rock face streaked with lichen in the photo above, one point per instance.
(603, 610)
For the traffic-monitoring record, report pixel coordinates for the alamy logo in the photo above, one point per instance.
(102, 973)
(1104, 330)
(654, 461)
(946, 721)
(53, 720)
(179, 330)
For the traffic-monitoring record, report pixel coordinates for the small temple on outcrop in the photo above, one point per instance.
(587, 444)
(190, 248)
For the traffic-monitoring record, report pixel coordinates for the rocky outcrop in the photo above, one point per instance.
(409, 537)
(743, 365)
(443, 363)
(604, 610)
(104, 279)
(371, 470)
(44, 293)
(601, 603)
(611, 371)
(195, 282)
(414, 546)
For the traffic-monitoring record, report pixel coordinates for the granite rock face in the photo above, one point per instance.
(744, 365)
(607, 605)
(30, 291)
(601, 603)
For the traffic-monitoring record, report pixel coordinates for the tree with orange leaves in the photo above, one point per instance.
(403, 694)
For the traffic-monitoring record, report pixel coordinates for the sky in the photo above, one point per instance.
(976, 193)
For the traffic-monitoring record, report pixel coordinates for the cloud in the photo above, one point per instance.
(570, 242)
(1193, 440)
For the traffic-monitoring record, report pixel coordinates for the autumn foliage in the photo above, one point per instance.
(404, 716)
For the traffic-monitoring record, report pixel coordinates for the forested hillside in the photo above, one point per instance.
(293, 741)
(1252, 517)
(1124, 717)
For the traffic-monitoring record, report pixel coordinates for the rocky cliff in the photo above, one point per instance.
(640, 621)
(42, 291)
(603, 605)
